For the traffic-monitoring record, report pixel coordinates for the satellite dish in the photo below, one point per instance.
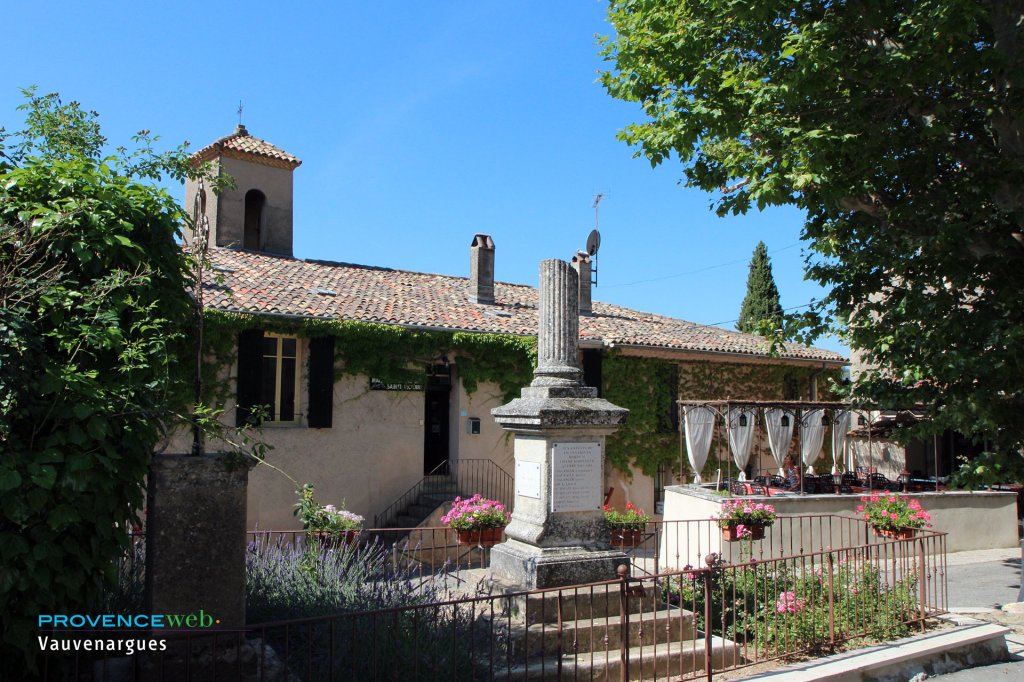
(593, 242)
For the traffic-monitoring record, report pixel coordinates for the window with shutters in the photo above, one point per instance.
(279, 389)
(268, 379)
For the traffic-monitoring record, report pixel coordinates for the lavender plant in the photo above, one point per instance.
(286, 580)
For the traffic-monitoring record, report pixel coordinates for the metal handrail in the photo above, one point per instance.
(382, 519)
(477, 475)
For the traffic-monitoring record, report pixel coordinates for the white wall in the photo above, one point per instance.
(972, 520)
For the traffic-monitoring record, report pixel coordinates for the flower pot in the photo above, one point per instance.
(627, 537)
(483, 537)
(335, 540)
(895, 533)
(731, 534)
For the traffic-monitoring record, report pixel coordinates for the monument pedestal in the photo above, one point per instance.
(558, 534)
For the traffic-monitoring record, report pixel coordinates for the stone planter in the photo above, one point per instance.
(483, 537)
(730, 534)
(895, 533)
(627, 537)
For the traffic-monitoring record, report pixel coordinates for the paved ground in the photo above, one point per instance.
(983, 579)
(980, 584)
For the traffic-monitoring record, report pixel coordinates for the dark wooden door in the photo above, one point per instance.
(437, 400)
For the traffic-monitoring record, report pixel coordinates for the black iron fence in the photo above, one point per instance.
(742, 603)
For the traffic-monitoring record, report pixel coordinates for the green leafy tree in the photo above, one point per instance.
(94, 308)
(898, 128)
(760, 307)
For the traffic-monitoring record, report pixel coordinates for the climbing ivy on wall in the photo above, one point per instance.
(389, 352)
(642, 385)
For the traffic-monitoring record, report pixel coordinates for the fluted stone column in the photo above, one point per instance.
(557, 535)
(558, 338)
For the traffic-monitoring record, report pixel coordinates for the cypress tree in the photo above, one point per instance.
(762, 299)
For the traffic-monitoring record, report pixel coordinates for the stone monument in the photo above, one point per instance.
(558, 535)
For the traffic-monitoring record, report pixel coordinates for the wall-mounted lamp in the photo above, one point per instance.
(473, 426)
(824, 420)
(861, 421)
(784, 421)
(743, 420)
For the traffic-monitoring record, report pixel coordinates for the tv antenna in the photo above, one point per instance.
(594, 241)
(239, 112)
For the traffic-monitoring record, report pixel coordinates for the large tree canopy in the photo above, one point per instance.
(94, 311)
(896, 125)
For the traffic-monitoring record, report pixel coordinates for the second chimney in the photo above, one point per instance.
(581, 262)
(481, 269)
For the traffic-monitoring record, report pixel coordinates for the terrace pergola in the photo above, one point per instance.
(778, 420)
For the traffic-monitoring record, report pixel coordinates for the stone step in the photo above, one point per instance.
(598, 601)
(675, 659)
(406, 521)
(422, 511)
(601, 634)
(435, 498)
(438, 483)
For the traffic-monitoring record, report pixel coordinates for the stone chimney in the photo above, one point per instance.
(481, 269)
(581, 263)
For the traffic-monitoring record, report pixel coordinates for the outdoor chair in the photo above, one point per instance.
(777, 481)
(846, 483)
(737, 488)
(759, 489)
(761, 480)
(878, 481)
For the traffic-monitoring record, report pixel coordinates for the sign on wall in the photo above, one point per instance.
(379, 385)
(528, 479)
(576, 477)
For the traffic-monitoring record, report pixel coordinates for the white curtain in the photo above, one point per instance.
(812, 435)
(840, 425)
(779, 436)
(741, 436)
(699, 424)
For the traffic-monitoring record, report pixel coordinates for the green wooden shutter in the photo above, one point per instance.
(250, 373)
(321, 382)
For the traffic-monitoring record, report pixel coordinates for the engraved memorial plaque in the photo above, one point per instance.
(528, 479)
(576, 477)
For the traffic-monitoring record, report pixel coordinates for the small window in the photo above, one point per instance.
(790, 387)
(253, 228)
(280, 378)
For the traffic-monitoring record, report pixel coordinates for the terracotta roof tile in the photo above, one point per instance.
(241, 143)
(261, 283)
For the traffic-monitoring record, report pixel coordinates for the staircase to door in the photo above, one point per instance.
(448, 480)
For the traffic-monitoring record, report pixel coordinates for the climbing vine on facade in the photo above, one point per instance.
(649, 388)
(388, 352)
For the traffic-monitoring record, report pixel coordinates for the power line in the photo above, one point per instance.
(694, 272)
(785, 310)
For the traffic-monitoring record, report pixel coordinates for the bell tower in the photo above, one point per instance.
(256, 215)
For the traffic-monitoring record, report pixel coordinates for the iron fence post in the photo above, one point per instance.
(921, 582)
(831, 605)
(709, 667)
(623, 572)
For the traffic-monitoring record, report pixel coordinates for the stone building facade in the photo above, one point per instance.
(288, 325)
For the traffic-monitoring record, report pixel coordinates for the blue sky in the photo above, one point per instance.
(418, 124)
